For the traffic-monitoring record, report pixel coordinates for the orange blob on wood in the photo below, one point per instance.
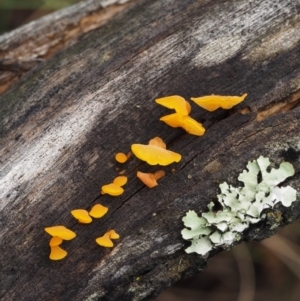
(150, 179)
(57, 253)
(82, 216)
(176, 102)
(112, 189)
(105, 241)
(154, 154)
(61, 231)
(213, 102)
(98, 211)
(189, 124)
(121, 157)
(120, 180)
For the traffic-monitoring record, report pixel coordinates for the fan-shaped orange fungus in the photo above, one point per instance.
(154, 154)
(121, 157)
(120, 180)
(186, 122)
(176, 102)
(57, 253)
(82, 216)
(147, 178)
(61, 231)
(158, 142)
(112, 189)
(98, 211)
(113, 234)
(105, 240)
(55, 241)
(213, 102)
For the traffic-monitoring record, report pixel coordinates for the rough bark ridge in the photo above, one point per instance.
(61, 126)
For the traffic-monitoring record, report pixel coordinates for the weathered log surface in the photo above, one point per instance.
(26, 47)
(62, 124)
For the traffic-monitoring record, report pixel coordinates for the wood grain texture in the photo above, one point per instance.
(61, 126)
(26, 47)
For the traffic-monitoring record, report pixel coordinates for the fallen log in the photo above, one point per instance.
(62, 124)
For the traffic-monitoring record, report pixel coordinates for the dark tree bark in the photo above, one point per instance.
(62, 124)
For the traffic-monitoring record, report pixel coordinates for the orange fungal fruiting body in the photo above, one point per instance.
(61, 231)
(154, 154)
(112, 189)
(82, 216)
(98, 211)
(176, 102)
(213, 102)
(57, 253)
(121, 157)
(120, 180)
(105, 241)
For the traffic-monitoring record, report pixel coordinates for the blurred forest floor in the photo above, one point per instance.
(249, 272)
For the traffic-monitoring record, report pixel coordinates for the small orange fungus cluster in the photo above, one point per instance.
(61, 233)
(114, 188)
(105, 240)
(58, 233)
(181, 118)
(155, 153)
(182, 108)
(150, 179)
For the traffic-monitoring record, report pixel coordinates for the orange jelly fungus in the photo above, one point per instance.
(176, 102)
(105, 241)
(154, 154)
(113, 234)
(55, 241)
(112, 189)
(150, 179)
(61, 231)
(189, 124)
(57, 253)
(213, 102)
(121, 157)
(82, 216)
(120, 181)
(98, 211)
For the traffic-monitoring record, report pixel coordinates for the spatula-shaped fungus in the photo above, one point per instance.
(150, 179)
(82, 216)
(98, 211)
(112, 189)
(154, 154)
(105, 240)
(121, 157)
(176, 102)
(189, 124)
(213, 102)
(113, 234)
(55, 241)
(120, 180)
(61, 231)
(57, 253)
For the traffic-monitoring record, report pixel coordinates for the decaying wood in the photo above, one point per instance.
(25, 47)
(61, 126)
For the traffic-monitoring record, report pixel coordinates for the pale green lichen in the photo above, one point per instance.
(242, 206)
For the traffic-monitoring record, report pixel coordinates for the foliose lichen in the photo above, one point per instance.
(242, 206)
